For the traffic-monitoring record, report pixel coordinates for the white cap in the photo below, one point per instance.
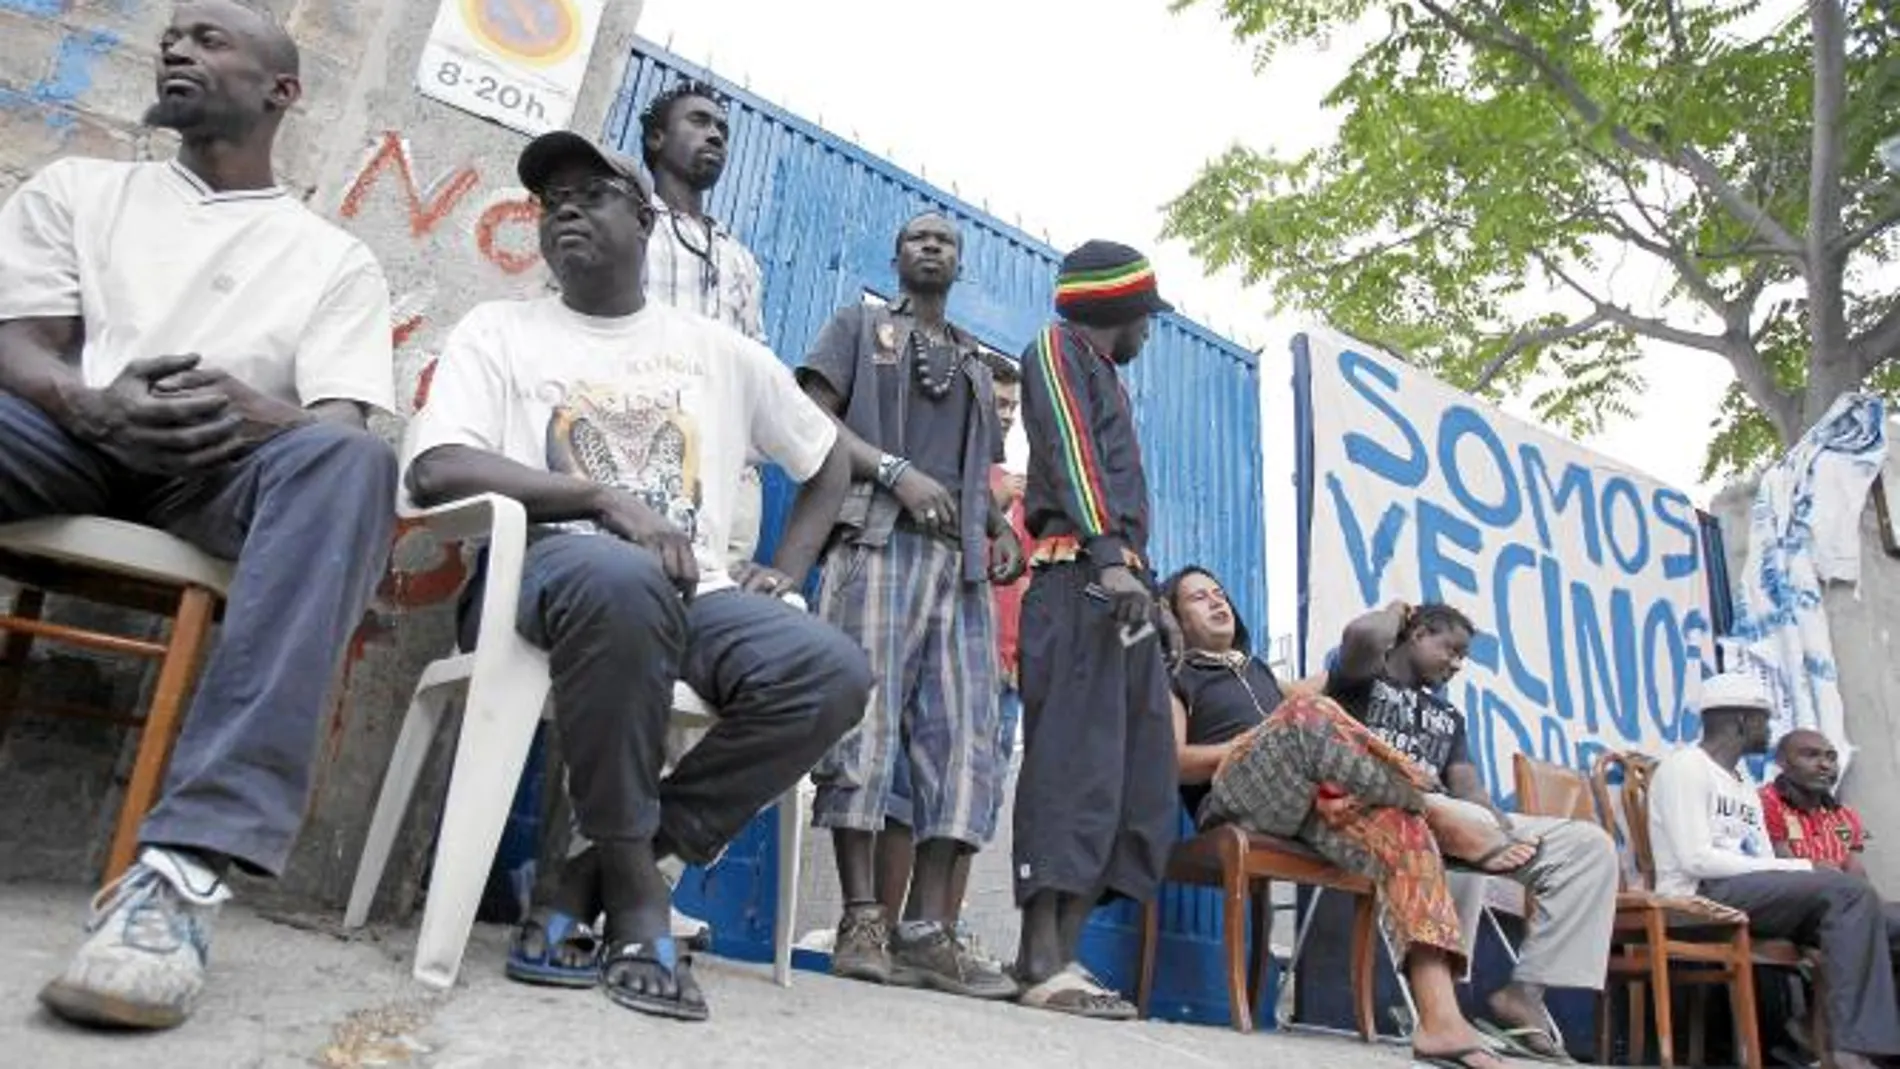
(1735, 690)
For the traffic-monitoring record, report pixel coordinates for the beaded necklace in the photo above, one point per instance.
(933, 382)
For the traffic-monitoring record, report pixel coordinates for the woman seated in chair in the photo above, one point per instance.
(1301, 767)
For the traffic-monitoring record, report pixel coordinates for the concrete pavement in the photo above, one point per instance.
(288, 991)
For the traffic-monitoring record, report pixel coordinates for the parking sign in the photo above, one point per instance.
(517, 62)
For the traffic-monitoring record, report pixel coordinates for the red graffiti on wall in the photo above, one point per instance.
(433, 585)
(371, 629)
(513, 254)
(423, 382)
(406, 329)
(512, 259)
(424, 216)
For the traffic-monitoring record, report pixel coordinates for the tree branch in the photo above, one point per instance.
(1685, 158)
(1630, 321)
(1675, 256)
(1882, 222)
(1522, 339)
(1877, 344)
(1753, 286)
(1781, 407)
(1678, 38)
(1358, 259)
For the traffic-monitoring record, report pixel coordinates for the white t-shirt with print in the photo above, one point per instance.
(662, 403)
(156, 263)
(1705, 823)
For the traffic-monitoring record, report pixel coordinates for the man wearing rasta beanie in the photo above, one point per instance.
(1096, 809)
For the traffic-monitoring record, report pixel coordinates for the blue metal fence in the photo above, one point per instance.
(821, 215)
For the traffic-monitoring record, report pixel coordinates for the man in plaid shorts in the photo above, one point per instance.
(908, 578)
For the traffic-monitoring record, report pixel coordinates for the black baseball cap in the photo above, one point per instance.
(548, 152)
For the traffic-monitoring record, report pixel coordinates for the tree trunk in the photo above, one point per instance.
(1830, 374)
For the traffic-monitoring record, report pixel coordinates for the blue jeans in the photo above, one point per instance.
(785, 687)
(308, 517)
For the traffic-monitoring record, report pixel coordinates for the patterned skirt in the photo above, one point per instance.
(1311, 772)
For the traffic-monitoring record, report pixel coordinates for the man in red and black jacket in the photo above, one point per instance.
(1802, 815)
(1096, 812)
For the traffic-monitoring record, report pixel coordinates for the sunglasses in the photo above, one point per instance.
(588, 195)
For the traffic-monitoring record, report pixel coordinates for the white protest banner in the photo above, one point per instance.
(518, 62)
(1586, 580)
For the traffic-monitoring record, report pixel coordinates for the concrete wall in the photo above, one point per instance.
(1865, 626)
(431, 189)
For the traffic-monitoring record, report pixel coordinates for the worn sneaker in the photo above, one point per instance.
(938, 959)
(974, 946)
(863, 948)
(143, 962)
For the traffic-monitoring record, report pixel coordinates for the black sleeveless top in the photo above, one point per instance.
(1224, 697)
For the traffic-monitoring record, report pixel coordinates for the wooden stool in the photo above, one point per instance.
(128, 566)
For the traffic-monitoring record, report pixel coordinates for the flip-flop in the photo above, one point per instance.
(558, 930)
(688, 1002)
(1517, 1043)
(1075, 991)
(1452, 1059)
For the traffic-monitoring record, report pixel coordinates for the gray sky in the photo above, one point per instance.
(1082, 118)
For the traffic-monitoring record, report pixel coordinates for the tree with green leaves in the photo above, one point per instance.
(1534, 191)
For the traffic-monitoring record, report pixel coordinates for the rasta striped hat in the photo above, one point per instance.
(1103, 284)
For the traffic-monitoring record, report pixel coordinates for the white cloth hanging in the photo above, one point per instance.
(1804, 532)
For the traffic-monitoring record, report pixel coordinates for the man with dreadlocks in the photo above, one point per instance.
(695, 265)
(1095, 797)
(919, 541)
(1391, 665)
(1305, 768)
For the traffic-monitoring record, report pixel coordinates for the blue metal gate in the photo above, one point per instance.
(820, 215)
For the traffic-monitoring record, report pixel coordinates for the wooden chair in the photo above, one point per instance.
(1244, 867)
(131, 567)
(1656, 933)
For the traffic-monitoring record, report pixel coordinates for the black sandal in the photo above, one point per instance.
(558, 932)
(658, 956)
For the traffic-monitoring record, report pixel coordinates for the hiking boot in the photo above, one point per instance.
(938, 959)
(143, 962)
(863, 947)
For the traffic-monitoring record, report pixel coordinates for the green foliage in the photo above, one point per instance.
(1501, 167)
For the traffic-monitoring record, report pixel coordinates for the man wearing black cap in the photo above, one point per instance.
(1096, 809)
(623, 426)
(908, 578)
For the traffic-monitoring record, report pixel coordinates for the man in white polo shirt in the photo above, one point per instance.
(1707, 834)
(183, 344)
(622, 425)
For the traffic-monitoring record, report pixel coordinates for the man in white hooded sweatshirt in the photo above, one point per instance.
(1706, 831)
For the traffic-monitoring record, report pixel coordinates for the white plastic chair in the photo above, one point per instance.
(506, 682)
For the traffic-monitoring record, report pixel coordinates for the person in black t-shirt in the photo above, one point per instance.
(1391, 664)
(1307, 770)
